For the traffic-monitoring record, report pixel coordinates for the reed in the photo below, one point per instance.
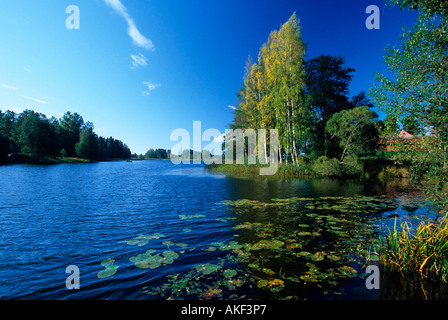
(423, 250)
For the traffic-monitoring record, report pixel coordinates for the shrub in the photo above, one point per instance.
(352, 166)
(391, 172)
(326, 166)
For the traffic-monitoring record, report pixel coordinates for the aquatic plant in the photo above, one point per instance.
(110, 268)
(191, 216)
(422, 250)
(142, 240)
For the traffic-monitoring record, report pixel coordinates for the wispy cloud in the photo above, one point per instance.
(232, 107)
(139, 60)
(139, 39)
(26, 69)
(7, 87)
(149, 87)
(35, 100)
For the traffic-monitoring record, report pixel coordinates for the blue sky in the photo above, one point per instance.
(140, 69)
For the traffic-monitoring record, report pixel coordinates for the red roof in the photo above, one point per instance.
(405, 134)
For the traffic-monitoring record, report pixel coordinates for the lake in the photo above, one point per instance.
(155, 230)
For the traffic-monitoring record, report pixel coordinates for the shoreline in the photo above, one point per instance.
(25, 159)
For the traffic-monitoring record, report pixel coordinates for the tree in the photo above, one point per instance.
(87, 147)
(355, 130)
(70, 126)
(156, 154)
(412, 125)
(418, 90)
(272, 96)
(36, 136)
(327, 83)
(419, 86)
(361, 100)
(287, 76)
(8, 129)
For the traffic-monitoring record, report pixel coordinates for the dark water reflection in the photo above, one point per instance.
(82, 214)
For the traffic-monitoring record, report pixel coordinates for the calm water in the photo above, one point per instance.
(82, 214)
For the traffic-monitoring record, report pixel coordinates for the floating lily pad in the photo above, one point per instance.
(229, 273)
(318, 256)
(207, 268)
(170, 254)
(181, 244)
(142, 240)
(108, 272)
(268, 244)
(110, 268)
(191, 216)
(108, 262)
(262, 283)
(268, 271)
(246, 225)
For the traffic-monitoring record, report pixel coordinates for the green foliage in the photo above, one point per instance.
(355, 130)
(36, 135)
(157, 154)
(110, 268)
(87, 147)
(418, 89)
(70, 126)
(352, 166)
(33, 134)
(273, 93)
(392, 172)
(327, 167)
(328, 80)
(423, 250)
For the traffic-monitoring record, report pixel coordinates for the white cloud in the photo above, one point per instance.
(26, 69)
(139, 39)
(150, 87)
(35, 100)
(232, 107)
(7, 87)
(139, 60)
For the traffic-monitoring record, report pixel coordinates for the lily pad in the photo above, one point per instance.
(110, 268)
(108, 272)
(229, 273)
(268, 244)
(170, 254)
(262, 283)
(207, 268)
(191, 216)
(268, 271)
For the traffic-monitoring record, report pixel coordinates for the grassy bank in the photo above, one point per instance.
(352, 167)
(422, 250)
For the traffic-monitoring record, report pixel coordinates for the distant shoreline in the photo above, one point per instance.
(25, 159)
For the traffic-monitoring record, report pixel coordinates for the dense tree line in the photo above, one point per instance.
(34, 134)
(305, 100)
(157, 154)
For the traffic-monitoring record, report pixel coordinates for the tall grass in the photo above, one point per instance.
(423, 250)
